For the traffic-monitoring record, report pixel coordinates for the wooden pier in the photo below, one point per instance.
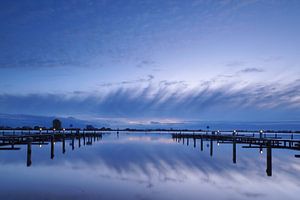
(260, 142)
(14, 141)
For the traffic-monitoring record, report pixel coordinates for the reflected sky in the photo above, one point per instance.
(147, 166)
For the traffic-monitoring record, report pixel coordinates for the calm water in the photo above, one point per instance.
(148, 166)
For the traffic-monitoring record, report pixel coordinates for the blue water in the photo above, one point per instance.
(148, 166)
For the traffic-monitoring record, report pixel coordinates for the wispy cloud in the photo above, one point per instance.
(147, 79)
(251, 70)
(236, 63)
(145, 63)
(39, 63)
(199, 102)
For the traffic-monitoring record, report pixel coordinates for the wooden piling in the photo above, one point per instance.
(52, 147)
(234, 150)
(63, 144)
(269, 159)
(29, 141)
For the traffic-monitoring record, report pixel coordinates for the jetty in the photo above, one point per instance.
(14, 139)
(258, 140)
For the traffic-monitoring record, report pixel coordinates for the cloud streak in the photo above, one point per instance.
(225, 102)
(252, 70)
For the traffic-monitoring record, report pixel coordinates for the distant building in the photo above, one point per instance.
(57, 124)
(90, 127)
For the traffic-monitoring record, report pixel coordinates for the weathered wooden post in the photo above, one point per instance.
(187, 142)
(234, 150)
(63, 143)
(73, 141)
(194, 142)
(269, 159)
(211, 147)
(91, 139)
(260, 134)
(83, 138)
(201, 143)
(52, 146)
(29, 141)
(13, 143)
(79, 141)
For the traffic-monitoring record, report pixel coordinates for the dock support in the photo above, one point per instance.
(29, 141)
(201, 143)
(64, 144)
(52, 146)
(234, 150)
(269, 159)
(84, 139)
(79, 141)
(73, 141)
(211, 147)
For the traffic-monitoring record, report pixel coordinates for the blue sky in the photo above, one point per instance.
(151, 60)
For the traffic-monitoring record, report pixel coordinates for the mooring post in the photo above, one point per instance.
(201, 143)
(269, 159)
(73, 141)
(211, 147)
(187, 142)
(79, 141)
(29, 141)
(83, 138)
(194, 142)
(52, 146)
(63, 143)
(234, 150)
(13, 143)
(260, 134)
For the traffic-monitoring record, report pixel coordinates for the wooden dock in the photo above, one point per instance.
(14, 141)
(248, 141)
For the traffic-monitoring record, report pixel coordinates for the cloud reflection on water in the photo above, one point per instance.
(154, 167)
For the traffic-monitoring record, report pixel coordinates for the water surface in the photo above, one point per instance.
(148, 166)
